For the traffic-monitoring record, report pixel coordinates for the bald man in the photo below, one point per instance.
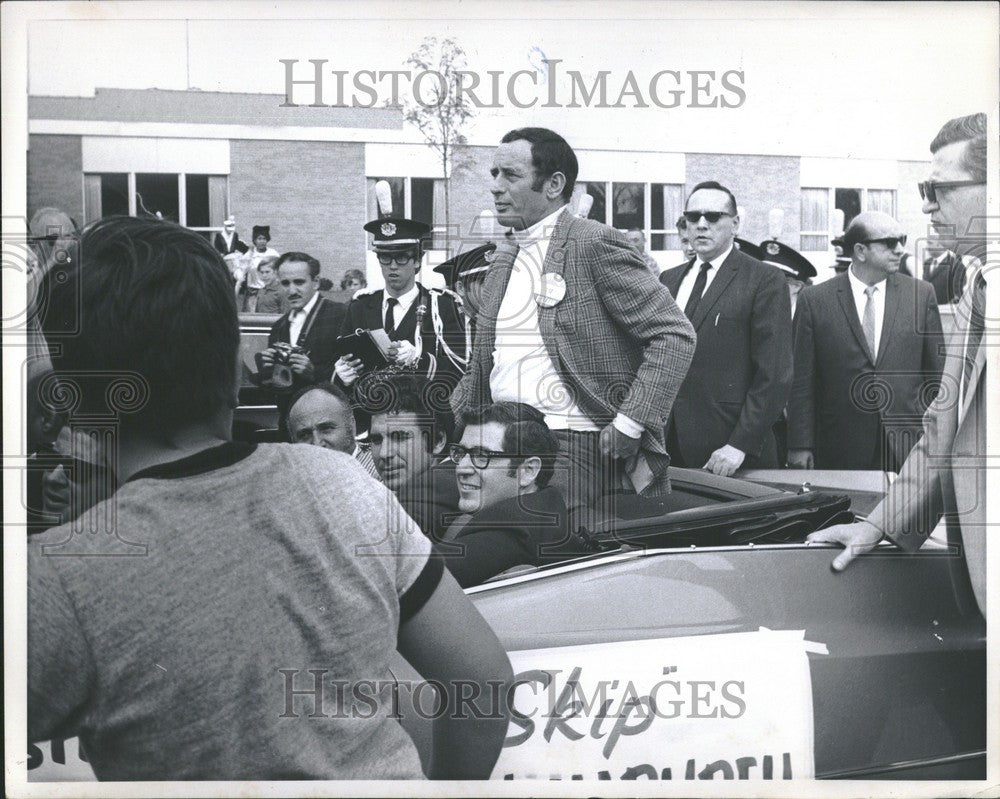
(868, 357)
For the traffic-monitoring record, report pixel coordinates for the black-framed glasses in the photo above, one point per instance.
(928, 188)
(401, 258)
(888, 241)
(479, 456)
(693, 217)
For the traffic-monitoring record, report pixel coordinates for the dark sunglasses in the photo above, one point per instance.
(712, 216)
(401, 258)
(480, 457)
(888, 241)
(928, 188)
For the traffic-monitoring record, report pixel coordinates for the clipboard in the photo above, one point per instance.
(370, 346)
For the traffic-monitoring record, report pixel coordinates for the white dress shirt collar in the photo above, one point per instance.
(539, 230)
(296, 319)
(404, 300)
(861, 299)
(718, 260)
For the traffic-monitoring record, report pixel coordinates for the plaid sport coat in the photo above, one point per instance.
(617, 338)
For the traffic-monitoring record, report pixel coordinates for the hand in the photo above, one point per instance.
(348, 368)
(615, 443)
(301, 365)
(403, 352)
(800, 459)
(267, 357)
(55, 494)
(725, 460)
(857, 539)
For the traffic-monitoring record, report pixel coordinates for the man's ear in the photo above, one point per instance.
(527, 471)
(440, 442)
(554, 185)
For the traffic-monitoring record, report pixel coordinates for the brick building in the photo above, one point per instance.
(309, 173)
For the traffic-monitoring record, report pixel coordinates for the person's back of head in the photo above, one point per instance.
(144, 322)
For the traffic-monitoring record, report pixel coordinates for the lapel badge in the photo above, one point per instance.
(551, 291)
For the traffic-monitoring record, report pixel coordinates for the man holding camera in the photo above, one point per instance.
(300, 348)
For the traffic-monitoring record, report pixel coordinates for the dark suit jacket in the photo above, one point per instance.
(948, 279)
(841, 399)
(617, 339)
(324, 324)
(365, 311)
(514, 532)
(742, 369)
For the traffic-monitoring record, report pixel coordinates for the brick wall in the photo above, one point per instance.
(760, 183)
(55, 174)
(470, 193)
(312, 194)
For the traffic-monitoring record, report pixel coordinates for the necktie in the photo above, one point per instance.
(977, 326)
(390, 324)
(868, 321)
(696, 291)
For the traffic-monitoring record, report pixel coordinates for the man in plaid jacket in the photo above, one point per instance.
(574, 324)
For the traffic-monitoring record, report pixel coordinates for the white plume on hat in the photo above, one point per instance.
(775, 221)
(383, 196)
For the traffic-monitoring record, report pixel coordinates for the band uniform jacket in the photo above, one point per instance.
(219, 242)
(843, 401)
(365, 312)
(616, 338)
(741, 373)
(945, 473)
(320, 330)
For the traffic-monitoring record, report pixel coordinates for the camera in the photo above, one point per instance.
(278, 375)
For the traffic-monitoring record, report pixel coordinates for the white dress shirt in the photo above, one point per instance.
(522, 368)
(861, 299)
(296, 319)
(687, 283)
(404, 300)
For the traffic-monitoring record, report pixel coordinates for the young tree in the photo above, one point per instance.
(438, 109)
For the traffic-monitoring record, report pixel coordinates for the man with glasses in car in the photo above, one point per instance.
(868, 356)
(511, 515)
(741, 373)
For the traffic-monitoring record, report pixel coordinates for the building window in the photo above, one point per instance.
(651, 207)
(420, 199)
(818, 207)
(199, 202)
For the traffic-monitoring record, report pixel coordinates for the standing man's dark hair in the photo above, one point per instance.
(716, 186)
(298, 257)
(148, 300)
(550, 153)
(971, 129)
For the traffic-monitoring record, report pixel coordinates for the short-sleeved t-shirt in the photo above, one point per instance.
(237, 624)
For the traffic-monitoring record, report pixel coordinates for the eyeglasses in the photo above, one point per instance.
(712, 216)
(888, 241)
(401, 258)
(928, 188)
(480, 457)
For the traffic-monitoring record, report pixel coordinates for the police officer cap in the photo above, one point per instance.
(467, 264)
(396, 233)
(746, 247)
(788, 260)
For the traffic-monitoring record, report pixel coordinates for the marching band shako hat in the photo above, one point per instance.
(788, 260)
(745, 246)
(393, 232)
(467, 264)
(262, 230)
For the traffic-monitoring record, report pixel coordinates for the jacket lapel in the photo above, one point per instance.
(892, 302)
(851, 312)
(672, 278)
(727, 273)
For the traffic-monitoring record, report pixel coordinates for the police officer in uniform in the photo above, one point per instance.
(425, 325)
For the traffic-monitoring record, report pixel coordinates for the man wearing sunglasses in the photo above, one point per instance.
(945, 474)
(867, 357)
(739, 379)
(503, 465)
